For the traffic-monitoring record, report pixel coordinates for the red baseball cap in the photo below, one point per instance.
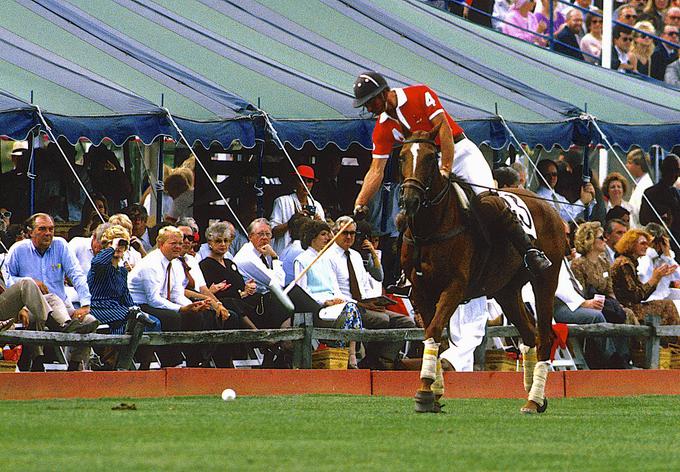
(306, 172)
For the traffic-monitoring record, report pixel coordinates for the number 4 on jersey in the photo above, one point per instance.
(429, 101)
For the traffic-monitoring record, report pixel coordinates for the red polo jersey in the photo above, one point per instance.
(416, 106)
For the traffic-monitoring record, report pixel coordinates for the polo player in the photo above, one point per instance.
(401, 111)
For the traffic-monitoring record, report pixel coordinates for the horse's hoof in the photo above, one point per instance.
(425, 402)
(543, 407)
(533, 408)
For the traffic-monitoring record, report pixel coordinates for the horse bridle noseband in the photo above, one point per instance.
(424, 188)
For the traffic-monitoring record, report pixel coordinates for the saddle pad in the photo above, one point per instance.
(520, 209)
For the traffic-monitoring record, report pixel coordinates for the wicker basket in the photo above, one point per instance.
(7, 366)
(499, 361)
(334, 358)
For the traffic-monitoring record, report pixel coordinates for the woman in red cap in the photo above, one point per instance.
(300, 201)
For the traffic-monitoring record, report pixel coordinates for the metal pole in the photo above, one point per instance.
(607, 24)
(159, 182)
(551, 24)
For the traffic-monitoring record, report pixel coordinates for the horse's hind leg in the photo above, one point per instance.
(514, 308)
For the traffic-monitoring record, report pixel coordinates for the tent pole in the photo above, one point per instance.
(31, 174)
(159, 181)
(607, 26)
(260, 181)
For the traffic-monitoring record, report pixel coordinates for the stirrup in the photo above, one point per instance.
(536, 261)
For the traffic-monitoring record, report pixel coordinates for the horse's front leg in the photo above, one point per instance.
(431, 376)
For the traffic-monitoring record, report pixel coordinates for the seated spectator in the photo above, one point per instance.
(191, 246)
(664, 53)
(658, 253)
(559, 18)
(630, 290)
(294, 249)
(638, 164)
(572, 307)
(352, 279)
(364, 244)
(618, 213)
(521, 23)
(654, 12)
(107, 281)
(614, 187)
(626, 15)
(297, 202)
(506, 177)
(642, 47)
(613, 230)
(522, 170)
(591, 44)
(179, 185)
(501, 8)
(592, 271)
(567, 41)
(672, 75)
(156, 285)
(5, 219)
(320, 283)
(25, 293)
(664, 194)
(219, 270)
(48, 261)
(89, 218)
(672, 16)
(622, 60)
(132, 255)
(86, 248)
(140, 232)
(548, 171)
(258, 262)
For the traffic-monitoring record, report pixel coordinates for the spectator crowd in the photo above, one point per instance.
(645, 34)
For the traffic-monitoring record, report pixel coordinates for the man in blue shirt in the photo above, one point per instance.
(47, 260)
(548, 169)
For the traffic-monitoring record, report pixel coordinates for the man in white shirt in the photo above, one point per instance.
(86, 248)
(258, 261)
(637, 163)
(156, 285)
(355, 286)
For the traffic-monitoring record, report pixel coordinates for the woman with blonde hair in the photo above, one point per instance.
(654, 12)
(592, 271)
(614, 188)
(628, 287)
(643, 47)
(107, 281)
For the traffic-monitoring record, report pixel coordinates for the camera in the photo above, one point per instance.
(310, 210)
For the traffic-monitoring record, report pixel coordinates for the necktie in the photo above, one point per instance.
(191, 284)
(574, 281)
(353, 282)
(264, 261)
(168, 280)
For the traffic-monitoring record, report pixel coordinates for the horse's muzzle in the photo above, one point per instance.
(409, 203)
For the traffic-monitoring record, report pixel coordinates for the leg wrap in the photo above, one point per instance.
(528, 363)
(537, 393)
(438, 385)
(430, 356)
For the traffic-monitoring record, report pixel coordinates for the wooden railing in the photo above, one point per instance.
(304, 332)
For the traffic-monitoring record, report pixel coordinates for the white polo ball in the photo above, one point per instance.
(228, 395)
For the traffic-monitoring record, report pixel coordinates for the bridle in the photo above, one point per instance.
(423, 188)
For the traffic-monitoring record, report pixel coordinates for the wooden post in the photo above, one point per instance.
(653, 342)
(127, 353)
(302, 355)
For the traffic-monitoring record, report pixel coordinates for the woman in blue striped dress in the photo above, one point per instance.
(107, 280)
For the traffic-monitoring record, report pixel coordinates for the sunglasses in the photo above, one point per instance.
(190, 237)
(596, 21)
(673, 33)
(628, 17)
(6, 214)
(349, 233)
(626, 39)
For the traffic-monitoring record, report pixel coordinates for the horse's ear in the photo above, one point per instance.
(435, 131)
(407, 133)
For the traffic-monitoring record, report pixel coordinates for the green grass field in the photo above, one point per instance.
(339, 433)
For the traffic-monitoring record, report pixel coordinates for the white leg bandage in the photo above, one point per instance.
(430, 356)
(537, 393)
(438, 385)
(528, 363)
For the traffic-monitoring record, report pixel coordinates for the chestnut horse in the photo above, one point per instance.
(448, 262)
